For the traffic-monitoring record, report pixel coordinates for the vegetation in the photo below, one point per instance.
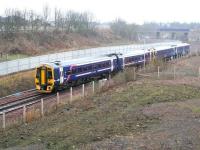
(16, 83)
(116, 110)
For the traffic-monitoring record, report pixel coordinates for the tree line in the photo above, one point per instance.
(29, 21)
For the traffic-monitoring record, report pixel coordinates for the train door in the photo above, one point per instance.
(43, 76)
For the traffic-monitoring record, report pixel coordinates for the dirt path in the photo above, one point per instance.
(179, 128)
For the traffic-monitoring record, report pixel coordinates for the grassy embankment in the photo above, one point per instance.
(116, 110)
(16, 82)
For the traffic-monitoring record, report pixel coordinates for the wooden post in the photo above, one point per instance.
(42, 107)
(58, 98)
(174, 72)
(134, 74)
(93, 87)
(158, 71)
(71, 94)
(83, 90)
(4, 120)
(24, 113)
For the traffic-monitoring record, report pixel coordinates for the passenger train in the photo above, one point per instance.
(57, 75)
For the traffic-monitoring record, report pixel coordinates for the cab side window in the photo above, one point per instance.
(38, 73)
(49, 74)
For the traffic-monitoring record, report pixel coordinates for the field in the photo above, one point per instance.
(149, 113)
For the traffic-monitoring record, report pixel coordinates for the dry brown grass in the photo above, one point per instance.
(16, 82)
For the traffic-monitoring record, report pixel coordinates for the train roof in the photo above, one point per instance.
(80, 61)
(93, 59)
(136, 53)
(160, 48)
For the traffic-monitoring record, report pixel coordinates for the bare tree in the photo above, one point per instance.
(46, 16)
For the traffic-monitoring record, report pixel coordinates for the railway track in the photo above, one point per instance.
(29, 97)
(19, 99)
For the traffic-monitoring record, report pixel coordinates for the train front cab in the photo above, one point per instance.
(44, 79)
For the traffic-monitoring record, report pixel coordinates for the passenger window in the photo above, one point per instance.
(79, 70)
(73, 71)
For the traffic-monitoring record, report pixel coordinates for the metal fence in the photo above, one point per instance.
(8, 67)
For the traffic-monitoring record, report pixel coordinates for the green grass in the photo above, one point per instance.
(12, 57)
(114, 112)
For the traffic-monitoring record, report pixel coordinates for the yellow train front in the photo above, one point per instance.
(44, 78)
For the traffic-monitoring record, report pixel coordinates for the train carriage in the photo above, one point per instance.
(63, 74)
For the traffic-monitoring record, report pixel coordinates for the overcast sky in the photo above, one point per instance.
(137, 11)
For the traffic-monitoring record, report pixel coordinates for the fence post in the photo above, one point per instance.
(24, 113)
(134, 74)
(71, 94)
(100, 84)
(58, 98)
(42, 107)
(109, 76)
(158, 71)
(174, 72)
(93, 87)
(4, 120)
(83, 90)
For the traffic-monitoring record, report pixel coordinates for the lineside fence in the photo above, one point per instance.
(177, 72)
(173, 70)
(36, 109)
(17, 65)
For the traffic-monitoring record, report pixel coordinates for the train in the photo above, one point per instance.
(58, 75)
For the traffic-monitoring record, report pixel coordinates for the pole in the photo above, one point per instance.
(71, 94)
(83, 90)
(58, 98)
(24, 113)
(158, 71)
(134, 74)
(4, 120)
(174, 72)
(93, 87)
(42, 107)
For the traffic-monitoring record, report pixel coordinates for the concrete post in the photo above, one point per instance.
(158, 71)
(71, 94)
(58, 98)
(99, 84)
(174, 72)
(134, 74)
(24, 113)
(109, 77)
(42, 107)
(4, 120)
(83, 90)
(93, 87)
